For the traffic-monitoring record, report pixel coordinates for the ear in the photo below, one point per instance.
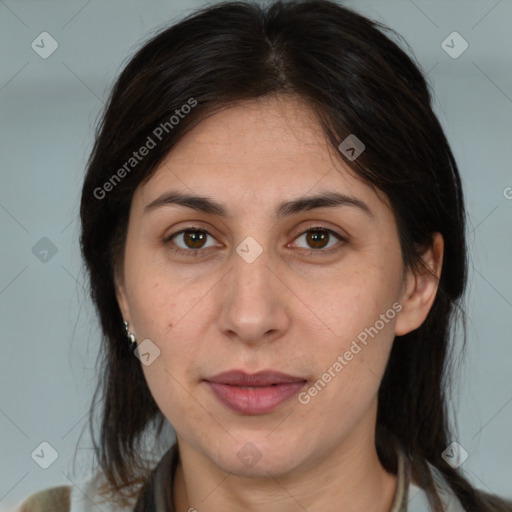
(121, 297)
(420, 288)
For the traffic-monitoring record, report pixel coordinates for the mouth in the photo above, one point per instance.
(259, 393)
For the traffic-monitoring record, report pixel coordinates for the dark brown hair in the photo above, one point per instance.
(356, 80)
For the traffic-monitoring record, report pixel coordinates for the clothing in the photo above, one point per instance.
(84, 498)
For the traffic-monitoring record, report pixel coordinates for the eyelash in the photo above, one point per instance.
(314, 228)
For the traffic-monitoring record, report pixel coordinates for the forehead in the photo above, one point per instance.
(253, 153)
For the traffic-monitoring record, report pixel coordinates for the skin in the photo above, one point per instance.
(288, 311)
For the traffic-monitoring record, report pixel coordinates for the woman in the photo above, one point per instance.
(265, 214)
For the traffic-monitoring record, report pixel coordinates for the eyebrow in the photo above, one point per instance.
(304, 204)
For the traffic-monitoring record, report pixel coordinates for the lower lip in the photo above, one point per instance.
(258, 400)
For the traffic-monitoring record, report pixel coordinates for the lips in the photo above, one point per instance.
(258, 393)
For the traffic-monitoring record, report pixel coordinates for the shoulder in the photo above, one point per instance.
(491, 502)
(418, 500)
(84, 496)
(446, 493)
(417, 497)
(56, 499)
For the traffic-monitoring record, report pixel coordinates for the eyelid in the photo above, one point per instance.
(341, 234)
(168, 238)
(343, 238)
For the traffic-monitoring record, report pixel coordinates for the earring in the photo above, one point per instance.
(130, 335)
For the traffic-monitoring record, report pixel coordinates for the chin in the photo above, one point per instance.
(259, 459)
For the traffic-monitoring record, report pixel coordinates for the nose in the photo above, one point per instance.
(254, 305)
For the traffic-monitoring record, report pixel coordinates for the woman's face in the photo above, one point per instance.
(255, 284)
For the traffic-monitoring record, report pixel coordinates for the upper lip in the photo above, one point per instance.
(261, 378)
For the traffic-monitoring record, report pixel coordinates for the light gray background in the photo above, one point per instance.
(49, 335)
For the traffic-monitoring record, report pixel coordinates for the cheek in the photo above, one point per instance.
(175, 319)
(350, 357)
(161, 303)
(172, 396)
(346, 304)
(347, 383)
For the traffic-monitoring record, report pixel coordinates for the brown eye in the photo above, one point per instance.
(191, 239)
(194, 239)
(318, 238)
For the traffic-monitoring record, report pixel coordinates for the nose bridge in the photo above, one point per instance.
(250, 267)
(252, 305)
